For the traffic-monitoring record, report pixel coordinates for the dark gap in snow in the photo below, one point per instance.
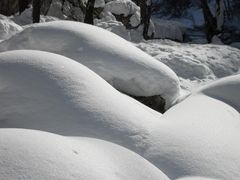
(155, 102)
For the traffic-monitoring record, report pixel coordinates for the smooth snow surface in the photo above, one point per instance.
(124, 66)
(226, 90)
(195, 64)
(44, 91)
(29, 154)
(199, 137)
(49, 92)
(8, 28)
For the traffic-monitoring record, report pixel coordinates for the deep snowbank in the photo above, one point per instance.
(28, 154)
(124, 66)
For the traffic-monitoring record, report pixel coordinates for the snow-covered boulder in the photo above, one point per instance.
(8, 28)
(49, 92)
(124, 66)
(125, 8)
(31, 154)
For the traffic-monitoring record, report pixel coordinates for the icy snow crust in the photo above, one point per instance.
(44, 91)
(124, 66)
(31, 154)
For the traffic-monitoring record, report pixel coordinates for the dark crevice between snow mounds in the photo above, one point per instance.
(155, 102)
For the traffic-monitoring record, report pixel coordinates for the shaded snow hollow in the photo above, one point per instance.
(197, 137)
(124, 66)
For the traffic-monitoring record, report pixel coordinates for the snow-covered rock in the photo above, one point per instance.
(124, 66)
(40, 90)
(195, 64)
(125, 7)
(29, 154)
(8, 28)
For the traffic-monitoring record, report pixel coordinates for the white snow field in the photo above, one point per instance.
(31, 154)
(8, 28)
(116, 60)
(195, 64)
(49, 92)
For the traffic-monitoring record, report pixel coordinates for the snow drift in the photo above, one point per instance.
(124, 66)
(45, 91)
(28, 154)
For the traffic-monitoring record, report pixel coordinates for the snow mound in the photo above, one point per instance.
(49, 92)
(199, 137)
(124, 66)
(8, 28)
(45, 91)
(29, 154)
(226, 89)
(194, 62)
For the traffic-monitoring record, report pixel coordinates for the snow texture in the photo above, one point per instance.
(195, 64)
(8, 28)
(25, 18)
(31, 154)
(124, 66)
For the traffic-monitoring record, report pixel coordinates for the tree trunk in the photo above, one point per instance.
(22, 4)
(210, 21)
(89, 12)
(36, 11)
(145, 17)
